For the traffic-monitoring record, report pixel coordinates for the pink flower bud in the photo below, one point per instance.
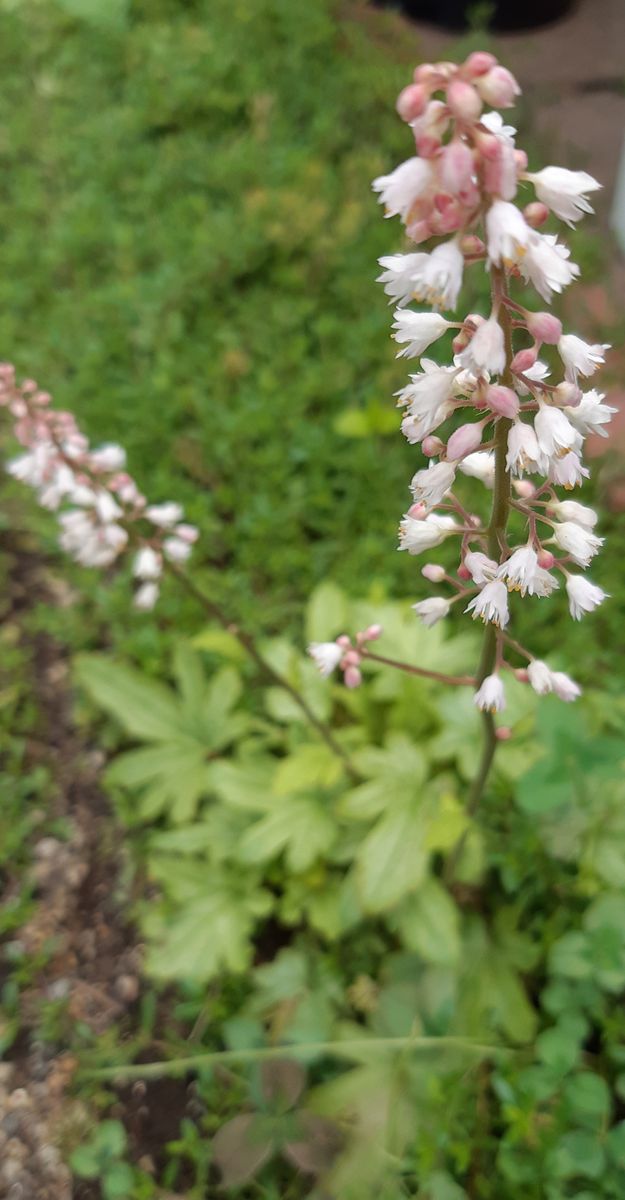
(520, 160)
(456, 167)
(502, 400)
(521, 674)
(546, 559)
(536, 214)
(463, 100)
(498, 87)
(344, 641)
(566, 394)
(463, 572)
(448, 217)
(523, 360)
(464, 440)
(478, 64)
(352, 677)
(472, 244)
(503, 733)
(428, 75)
(488, 144)
(544, 327)
(432, 446)
(417, 511)
(351, 659)
(524, 488)
(419, 231)
(372, 633)
(411, 102)
(434, 572)
(461, 341)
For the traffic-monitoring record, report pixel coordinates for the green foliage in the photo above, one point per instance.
(102, 1158)
(388, 918)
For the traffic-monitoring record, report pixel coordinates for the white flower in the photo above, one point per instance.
(416, 427)
(398, 277)
(567, 472)
(164, 515)
(399, 190)
(570, 510)
(146, 596)
(106, 506)
(577, 541)
(564, 192)
(579, 357)
(565, 687)
(419, 330)
(523, 574)
(494, 123)
(591, 415)
(441, 279)
(506, 232)
(545, 264)
(491, 604)
(479, 465)
(108, 457)
(432, 610)
(416, 536)
(537, 373)
(524, 453)
(176, 549)
(481, 568)
(486, 351)
(147, 564)
(430, 389)
(540, 677)
(433, 483)
(327, 656)
(490, 697)
(583, 595)
(555, 434)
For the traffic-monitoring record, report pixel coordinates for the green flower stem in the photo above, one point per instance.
(247, 642)
(350, 1048)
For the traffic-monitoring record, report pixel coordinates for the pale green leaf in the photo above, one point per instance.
(428, 922)
(298, 825)
(393, 857)
(145, 708)
(327, 613)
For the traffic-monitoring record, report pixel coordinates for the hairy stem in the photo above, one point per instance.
(496, 533)
(247, 642)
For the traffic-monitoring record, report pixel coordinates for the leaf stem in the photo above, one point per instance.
(348, 1048)
(426, 674)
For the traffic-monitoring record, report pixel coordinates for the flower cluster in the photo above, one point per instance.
(102, 513)
(345, 654)
(511, 426)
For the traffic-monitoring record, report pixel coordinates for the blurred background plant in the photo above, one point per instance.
(188, 263)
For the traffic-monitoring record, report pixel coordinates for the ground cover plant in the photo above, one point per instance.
(351, 984)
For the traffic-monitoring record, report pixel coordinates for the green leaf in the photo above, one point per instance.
(428, 922)
(111, 1138)
(84, 1161)
(240, 1148)
(327, 613)
(113, 14)
(578, 1153)
(307, 767)
(298, 825)
(587, 1097)
(118, 1181)
(244, 785)
(145, 708)
(392, 860)
(208, 935)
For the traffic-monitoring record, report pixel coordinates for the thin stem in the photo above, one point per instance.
(248, 644)
(347, 1048)
(403, 666)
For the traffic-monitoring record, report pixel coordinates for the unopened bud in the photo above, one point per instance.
(417, 511)
(524, 488)
(502, 400)
(521, 674)
(503, 733)
(464, 440)
(520, 160)
(498, 87)
(546, 559)
(463, 100)
(472, 244)
(372, 633)
(523, 360)
(544, 327)
(478, 64)
(567, 395)
(344, 641)
(463, 572)
(352, 677)
(411, 102)
(434, 572)
(536, 214)
(432, 446)
(419, 231)
(456, 167)
(351, 659)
